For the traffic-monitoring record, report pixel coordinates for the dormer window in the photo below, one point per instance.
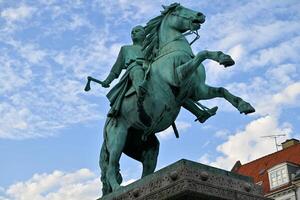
(278, 176)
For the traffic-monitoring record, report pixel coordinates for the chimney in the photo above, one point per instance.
(289, 143)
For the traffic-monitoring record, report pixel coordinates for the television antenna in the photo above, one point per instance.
(275, 138)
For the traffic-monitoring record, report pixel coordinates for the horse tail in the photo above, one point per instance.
(104, 162)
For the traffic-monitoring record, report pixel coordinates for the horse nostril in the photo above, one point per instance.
(202, 17)
(199, 14)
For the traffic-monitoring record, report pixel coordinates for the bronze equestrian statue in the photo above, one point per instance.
(162, 75)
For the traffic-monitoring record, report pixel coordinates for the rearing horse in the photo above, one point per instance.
(174, 75)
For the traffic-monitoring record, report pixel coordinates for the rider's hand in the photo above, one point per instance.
(105, 84)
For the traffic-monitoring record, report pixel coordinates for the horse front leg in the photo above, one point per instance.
(185, 70)
(207, 92)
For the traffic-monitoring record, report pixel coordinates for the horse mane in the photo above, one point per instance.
(151, 42)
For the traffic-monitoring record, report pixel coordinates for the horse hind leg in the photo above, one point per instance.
(149, 155)
(106, 189)
(208, 92)
(144, 151)
(116, 138)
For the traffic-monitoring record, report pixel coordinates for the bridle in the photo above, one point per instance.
(190, 24)
(190, 32)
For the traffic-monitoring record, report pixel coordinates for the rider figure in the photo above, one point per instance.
(131, 58)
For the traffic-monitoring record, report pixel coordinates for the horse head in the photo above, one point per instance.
(169, 26)
(183, 19)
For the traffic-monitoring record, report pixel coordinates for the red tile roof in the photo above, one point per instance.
(258, 168)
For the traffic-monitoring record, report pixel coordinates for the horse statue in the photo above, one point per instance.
(174, 75)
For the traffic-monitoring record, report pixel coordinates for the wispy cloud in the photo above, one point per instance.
(127, 11)
(42, 84)
(18, 13)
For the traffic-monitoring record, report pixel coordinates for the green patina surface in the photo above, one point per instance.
(162, 75)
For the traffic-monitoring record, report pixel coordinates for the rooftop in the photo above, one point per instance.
(258, 168)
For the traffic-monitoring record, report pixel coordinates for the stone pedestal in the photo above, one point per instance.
(187, 180)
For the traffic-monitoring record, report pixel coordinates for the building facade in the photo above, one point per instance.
(278, 173)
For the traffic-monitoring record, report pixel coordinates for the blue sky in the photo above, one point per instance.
(51, 130)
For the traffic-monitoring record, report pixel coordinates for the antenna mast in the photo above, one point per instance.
(275, 138)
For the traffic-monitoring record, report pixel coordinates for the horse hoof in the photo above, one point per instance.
(245, 108)
(226, 60)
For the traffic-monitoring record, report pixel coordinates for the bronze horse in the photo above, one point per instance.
(174, 75)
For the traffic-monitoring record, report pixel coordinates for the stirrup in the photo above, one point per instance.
(212, 111)
(207, 114)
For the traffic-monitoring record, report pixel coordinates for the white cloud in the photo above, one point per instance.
(236, 52)
(181, 126)
(17, 14)
(274, 104)
(283, 52)
(81, 184)
(248, 144)
(288, 95)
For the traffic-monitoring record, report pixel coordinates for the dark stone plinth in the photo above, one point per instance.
(187, 180)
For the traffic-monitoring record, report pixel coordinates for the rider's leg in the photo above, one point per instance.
(201, 115)
(137, 78)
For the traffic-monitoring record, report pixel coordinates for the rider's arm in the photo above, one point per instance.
(117, 68)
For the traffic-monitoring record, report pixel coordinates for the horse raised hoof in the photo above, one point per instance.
(245, 108)
(226, 60)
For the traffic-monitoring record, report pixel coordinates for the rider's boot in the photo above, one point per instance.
(201, 114)
(205, 114)
(144, 117)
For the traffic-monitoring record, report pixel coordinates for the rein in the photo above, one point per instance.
(183, 35)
